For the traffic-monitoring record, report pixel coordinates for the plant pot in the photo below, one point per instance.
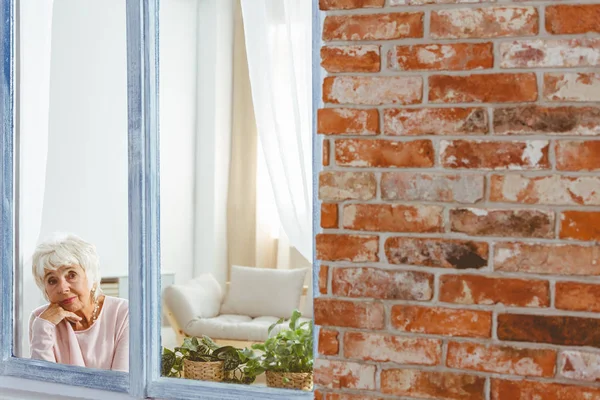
(204, 371)
(290, 380)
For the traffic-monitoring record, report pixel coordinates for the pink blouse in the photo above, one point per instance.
(104, 345)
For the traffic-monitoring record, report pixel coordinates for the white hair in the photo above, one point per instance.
(66, 249)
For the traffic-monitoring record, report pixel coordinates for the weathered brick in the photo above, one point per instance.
(349, 4)
(538, 53)
(550, 189)
(547, 120)
(389, 348)
(441, 57)
(349, 314)
(344, 375)
(356, 248)
(436, 121)
(329, 215)
(515, 222)
(365, 58)
(425, 2)
(529, 390)
(580, 225)
(577, 155)
(442, 321)
(561, 330)
(461, 188)
(329, 344)
(347, 121)
(581, 366)
(488, 88)
(556, 259)
(338, 186)
(392, 218)
(573, 18)
(572, 86)
(323, 278)
(349, 396)
(382, 284)
(373, 26)
(432, 385)
(484, 22)
(479, 154)
(326, 151)
(577, 296)
(476, 289)
(438, 253)
(384, 153)
(373, 90)
(501, 359)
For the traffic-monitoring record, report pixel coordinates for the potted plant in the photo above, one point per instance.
(288, 356)
(203, 359)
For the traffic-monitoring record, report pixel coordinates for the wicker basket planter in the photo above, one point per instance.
(295, 380)
(204, 371)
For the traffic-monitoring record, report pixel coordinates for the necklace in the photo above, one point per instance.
(95, 313)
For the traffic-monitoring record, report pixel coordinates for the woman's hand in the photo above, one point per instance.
(55, 313)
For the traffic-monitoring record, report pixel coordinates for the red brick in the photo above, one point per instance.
(382, 284)
(580, 225)
(326, 151)
(574, 155)
(570, 19)
(364, 58)
(556, 259)
(349, 4)
(484, 22)
(347, 121)
(388, 348)
(579, 52)
(392, 218)
(323, 278)
(488, 88)
(344, 375)
(411, 186)
(528, 390)
(338, 186)
(373, 90)
(438, 253)
(550, 189)
(443, 57)
(384, 153)
(479, 154)
(577, 296)
(559, 330)
(350, 396)
(476, 289)
(501, 359)
(442, 321)
(507, 223)
(355, 248)
(572, 86)
(349, 314)
(581, 366)
(435, 121)
(547, 120)
(329, 215)
(432, 385)
(329, 344)
(373, 26)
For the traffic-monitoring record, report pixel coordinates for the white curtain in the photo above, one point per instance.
(278, 45)
(35, 30)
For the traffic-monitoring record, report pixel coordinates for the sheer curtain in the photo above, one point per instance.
(35, 29)
(278, 45)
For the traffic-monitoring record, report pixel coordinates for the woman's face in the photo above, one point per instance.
(68, 287)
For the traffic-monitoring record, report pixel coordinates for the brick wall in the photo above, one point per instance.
(460, 200)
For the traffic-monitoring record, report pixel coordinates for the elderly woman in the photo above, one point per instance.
(80, 326)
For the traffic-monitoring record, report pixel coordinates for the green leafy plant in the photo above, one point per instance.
(290, 350)
(241, 366)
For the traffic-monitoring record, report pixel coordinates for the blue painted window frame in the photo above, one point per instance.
(144, 379)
